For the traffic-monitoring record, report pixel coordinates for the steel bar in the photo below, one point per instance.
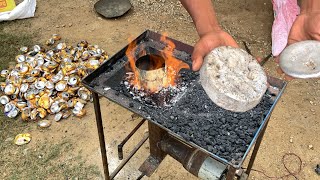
(124, 162)
(97, 111)
(120, 146)
(256, 148)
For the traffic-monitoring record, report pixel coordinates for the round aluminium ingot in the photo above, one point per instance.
(42, 113)
(4, 73)
(20, 58)
(50, 41)
(9, 89)
(56, 37)
(61, 86)
(301, 59)
(45, 101)
(22, 139)
(44, 123)
(233, 79)
(4, 99)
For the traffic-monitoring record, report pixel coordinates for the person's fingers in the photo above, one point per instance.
(201, 49)
(292, 41)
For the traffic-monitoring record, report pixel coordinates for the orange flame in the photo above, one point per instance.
(130, 53)
(172, 65)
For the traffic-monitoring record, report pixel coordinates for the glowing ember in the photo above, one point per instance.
(154, 72)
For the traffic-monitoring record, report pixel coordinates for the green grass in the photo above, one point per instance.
(49, 161)
(10, 44)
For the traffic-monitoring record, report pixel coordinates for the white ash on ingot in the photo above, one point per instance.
(49, 81)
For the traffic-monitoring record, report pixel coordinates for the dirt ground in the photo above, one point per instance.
(69, 149)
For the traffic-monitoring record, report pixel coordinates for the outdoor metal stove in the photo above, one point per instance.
(208, 141)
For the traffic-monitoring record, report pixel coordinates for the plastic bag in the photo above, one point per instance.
(25, 9)
(285, 13)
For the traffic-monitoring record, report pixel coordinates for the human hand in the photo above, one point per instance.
(207, 43)
(305, 27)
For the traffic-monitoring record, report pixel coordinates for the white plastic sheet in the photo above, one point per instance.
(25, 9)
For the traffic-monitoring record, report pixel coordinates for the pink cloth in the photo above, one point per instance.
(285, 13)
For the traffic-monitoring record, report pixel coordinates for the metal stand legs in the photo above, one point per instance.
(101, 135)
